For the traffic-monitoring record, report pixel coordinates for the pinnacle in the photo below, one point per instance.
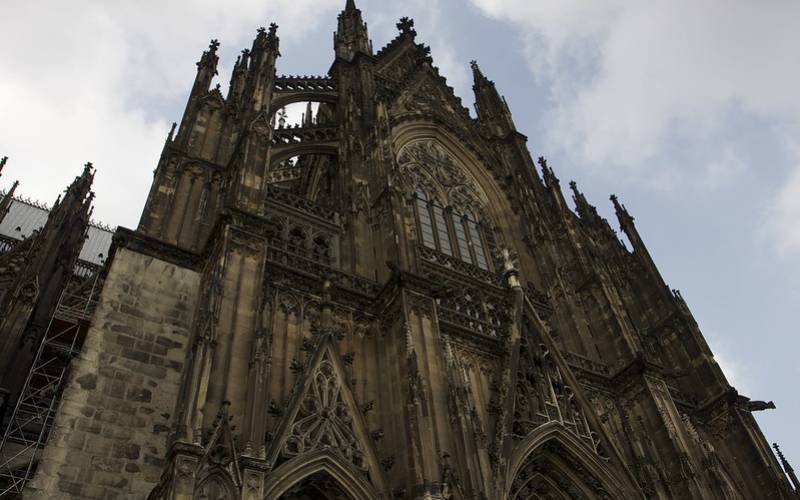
(477, 74)
(350, 6)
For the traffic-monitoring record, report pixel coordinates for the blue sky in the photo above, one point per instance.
(689, 111)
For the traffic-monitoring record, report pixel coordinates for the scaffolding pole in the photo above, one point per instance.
(31, 421)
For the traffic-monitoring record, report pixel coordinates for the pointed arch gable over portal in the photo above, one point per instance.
(324, 430)
(351, 480)
(553, 460)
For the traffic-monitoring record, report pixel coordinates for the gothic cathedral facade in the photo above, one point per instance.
(389, 301)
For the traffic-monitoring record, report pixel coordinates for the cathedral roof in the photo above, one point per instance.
(26, 216)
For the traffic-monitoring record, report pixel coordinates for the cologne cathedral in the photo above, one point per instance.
(389, 300)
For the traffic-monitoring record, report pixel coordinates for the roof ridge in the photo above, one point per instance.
(44, 206)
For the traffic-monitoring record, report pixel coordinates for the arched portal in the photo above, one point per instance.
(324, 471)
(318, 486)
(552, 463)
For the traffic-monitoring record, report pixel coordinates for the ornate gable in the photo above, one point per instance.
(427, 92)
(323, 415)
(220, 457)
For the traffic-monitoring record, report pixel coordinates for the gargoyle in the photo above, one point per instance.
(760, 405)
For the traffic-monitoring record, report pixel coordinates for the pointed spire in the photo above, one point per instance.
(209, 58)
(308, 116)
(238, 77)
(625, 219)
(5, 203)
(788, 468)
(586, 210)
(477, 74)
(492, 109)
(351, 35)
(548, 175)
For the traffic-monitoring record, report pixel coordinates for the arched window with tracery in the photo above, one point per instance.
(449, 208)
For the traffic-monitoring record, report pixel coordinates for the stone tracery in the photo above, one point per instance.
(324, 420)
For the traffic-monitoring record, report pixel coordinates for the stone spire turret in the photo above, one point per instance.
(5, 202)
(49, 260)
(351, 36)
(261, 68)
(491, 107)
(788, 468)
(206, 71)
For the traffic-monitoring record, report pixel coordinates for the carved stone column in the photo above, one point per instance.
(254, 473)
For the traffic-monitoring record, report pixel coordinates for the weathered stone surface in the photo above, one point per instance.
(391, 301)
(133, 339)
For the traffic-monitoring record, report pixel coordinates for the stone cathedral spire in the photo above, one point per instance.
(491, 107)
(351, 37)
(47, 259)
(8, 197)
(387, 300)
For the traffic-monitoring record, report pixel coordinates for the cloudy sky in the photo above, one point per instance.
(689, 110)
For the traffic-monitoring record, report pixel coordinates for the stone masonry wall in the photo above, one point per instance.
(109, 437)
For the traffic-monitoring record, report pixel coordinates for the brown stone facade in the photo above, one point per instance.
(390, 300)
(115, 417)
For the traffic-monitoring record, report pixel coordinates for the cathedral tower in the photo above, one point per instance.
(390, 300)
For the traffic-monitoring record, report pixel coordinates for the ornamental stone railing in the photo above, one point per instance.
(459, 266)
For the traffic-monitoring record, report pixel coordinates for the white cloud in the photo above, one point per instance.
(80, 80)
(736, 371)
(783, 216)
(628, 75)
(722, 170)
(659, 90)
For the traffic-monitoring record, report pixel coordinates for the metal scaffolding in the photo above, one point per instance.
(30, 422)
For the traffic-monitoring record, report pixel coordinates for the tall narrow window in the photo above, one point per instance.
(461, 238)
(477, 245)
(441, 230)
(425, 224)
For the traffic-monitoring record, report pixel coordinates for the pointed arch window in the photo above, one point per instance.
(425, 221)
(478, 247)
(442, 230)
(451, 233)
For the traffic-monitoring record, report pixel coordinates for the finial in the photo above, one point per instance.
(87, 167)
(406, 26)
(350, 6)
(171, 132)
(619, 207)
(214, 45)
(542, 162)
(273, 29)
(217, 87)
(787, 468)
(622, 212)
